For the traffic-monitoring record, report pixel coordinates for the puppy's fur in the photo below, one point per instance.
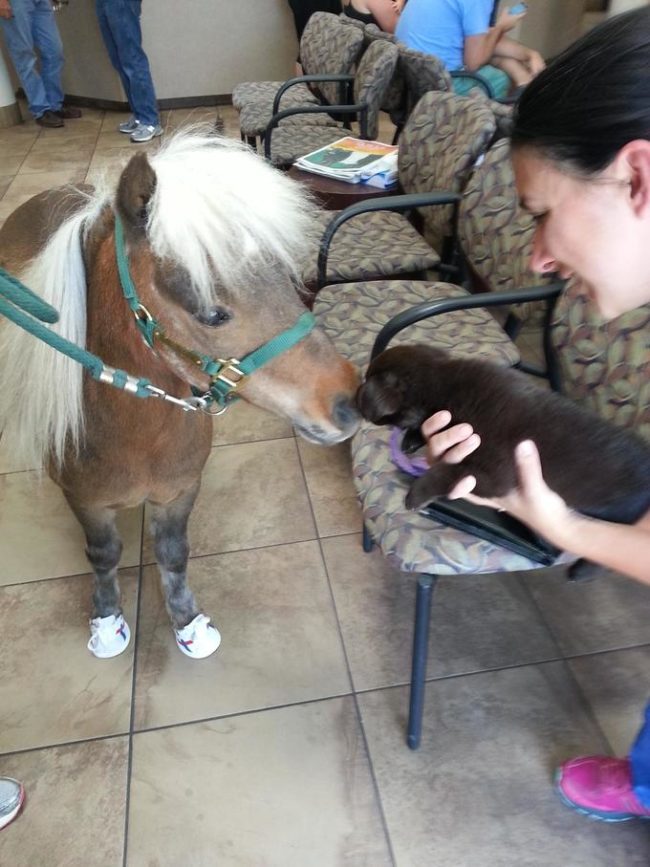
(598, 469)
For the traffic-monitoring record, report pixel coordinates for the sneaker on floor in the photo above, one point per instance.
(145, 133)
(12, 795)
(199, 638)
(50, 120)
(600, 787)
(68, 112)
(129, 125)
(109, 636)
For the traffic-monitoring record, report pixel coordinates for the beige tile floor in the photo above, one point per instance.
(286, 749)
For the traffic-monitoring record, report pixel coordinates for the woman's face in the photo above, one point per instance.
(589, 228)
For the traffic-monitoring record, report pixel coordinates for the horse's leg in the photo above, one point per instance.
(195, 635)
(109, 631)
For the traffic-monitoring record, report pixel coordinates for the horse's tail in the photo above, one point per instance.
(41, 405)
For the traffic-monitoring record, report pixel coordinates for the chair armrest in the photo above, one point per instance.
(436, 307)
(405, 202)
(361, 108)
(463, 73)
(306, 79)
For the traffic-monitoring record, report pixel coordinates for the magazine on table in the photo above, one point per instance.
(354, 161)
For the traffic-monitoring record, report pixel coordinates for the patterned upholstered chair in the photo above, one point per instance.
(444, 137)
(424, 72)
(604, 366)
(494, 241)
(292, 133)
(327, 47)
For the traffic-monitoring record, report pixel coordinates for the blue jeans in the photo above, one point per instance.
(32, 28)
(119, 21)
(640, 762)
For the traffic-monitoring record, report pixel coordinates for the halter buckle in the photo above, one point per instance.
(229, 369)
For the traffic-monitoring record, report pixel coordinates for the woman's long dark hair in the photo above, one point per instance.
(592, 99)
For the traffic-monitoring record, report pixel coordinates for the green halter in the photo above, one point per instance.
(24, 308)
(226, 374)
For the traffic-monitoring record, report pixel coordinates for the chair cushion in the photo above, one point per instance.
(353, 314)
(255, 91)
(375, 244)
(410, 541)
(254, 117)
(291, 140)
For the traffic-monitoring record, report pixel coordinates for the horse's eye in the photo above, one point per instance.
(213, 317)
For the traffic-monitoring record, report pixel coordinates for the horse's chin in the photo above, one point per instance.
(324, 438)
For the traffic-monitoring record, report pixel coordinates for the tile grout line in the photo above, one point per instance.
(129, 766)
(580, 694)
(364, 737)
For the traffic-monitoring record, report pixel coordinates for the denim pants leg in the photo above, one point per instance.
(640, 761)
(120, 21)
(33, 27)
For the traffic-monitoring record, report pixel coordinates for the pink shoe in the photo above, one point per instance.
(600, 787)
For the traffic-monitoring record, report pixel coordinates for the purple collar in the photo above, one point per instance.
(413, 466)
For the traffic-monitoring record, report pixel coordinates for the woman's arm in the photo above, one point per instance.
(621, 547)
(384, 13)
(479, 49)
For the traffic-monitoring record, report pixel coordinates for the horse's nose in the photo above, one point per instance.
(345, 414)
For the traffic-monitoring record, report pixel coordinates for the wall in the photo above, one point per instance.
(196, 48)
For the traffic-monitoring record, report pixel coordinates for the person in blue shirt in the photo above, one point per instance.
(458, 32)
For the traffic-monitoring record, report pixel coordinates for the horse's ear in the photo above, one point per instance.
(134, 192)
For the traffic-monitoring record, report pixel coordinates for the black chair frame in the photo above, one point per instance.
(403, 202)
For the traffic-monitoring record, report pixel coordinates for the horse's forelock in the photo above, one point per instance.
(224, 214)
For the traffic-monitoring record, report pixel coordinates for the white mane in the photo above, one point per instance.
(222, 212)
(218, 210)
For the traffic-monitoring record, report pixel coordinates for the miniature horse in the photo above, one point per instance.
(214, 237)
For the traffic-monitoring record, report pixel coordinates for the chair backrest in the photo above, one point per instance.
(443, 137)
(604, 365)
(422, 73)
(329, 47)
(495, 233)
(395, 96)
(371, 81)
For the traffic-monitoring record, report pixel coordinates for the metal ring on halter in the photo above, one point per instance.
(145, 317)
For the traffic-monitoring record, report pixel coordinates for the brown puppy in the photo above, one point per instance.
(598, 469)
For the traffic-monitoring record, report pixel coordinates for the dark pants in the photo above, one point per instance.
(119, 21)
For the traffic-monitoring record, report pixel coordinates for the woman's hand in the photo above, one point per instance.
(451, 445)
(506, 21)
(532, 502)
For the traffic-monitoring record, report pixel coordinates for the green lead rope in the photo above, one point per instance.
(21, 305)
(24, 308)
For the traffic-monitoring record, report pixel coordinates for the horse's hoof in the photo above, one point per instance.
(109, 636)
(199, 638)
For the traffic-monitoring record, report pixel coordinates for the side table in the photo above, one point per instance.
(336, 195)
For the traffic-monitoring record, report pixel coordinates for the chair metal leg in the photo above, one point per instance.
(423, 597)
(368, 543)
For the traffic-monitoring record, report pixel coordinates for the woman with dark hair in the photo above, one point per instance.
(581, 154)
(383, 13)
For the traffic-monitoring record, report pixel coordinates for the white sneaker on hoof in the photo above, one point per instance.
(109, 636)
(199, 638)
(145, 133)
(12, 795)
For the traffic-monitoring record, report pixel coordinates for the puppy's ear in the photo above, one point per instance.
(380, 396)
